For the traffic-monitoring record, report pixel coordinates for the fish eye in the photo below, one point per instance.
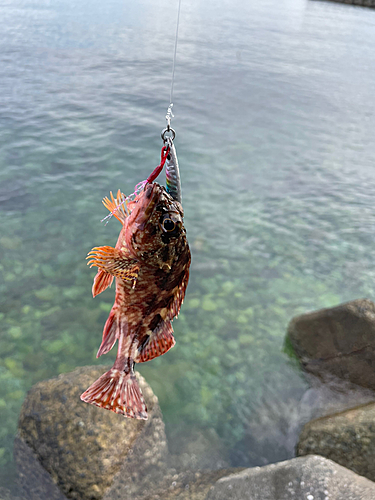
(168, 225)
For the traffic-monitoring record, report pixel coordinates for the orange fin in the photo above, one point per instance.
(158, 343)
(102, 281)
(110, 334)
(111, 260)
(119, 392)
(117, 206)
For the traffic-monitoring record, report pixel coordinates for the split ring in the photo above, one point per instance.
(170, 131)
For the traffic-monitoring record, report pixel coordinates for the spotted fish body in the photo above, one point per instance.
(150, 263)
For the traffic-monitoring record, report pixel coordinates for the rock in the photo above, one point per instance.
(174, 486)
(190, 486)
(6, 494)
(307, 478)
(334, 395)
(83, 447)
(146, 465)
(33, 480)
(348, 438)
(339, 340)
(141, 478)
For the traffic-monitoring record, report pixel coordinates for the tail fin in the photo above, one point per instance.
(119, 392)
(110, 334)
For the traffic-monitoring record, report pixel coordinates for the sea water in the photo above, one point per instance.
(274, 117)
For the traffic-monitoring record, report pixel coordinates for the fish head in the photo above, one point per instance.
(155, 226)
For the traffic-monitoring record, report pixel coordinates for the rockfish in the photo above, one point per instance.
(150, 263)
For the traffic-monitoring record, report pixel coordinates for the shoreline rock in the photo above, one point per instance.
(348, 438)
(83, 447)
(360, 3)
(311, 477)
(67, 450)
(338, 341)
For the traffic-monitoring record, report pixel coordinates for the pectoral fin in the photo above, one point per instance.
(111, 261)
(102, 281)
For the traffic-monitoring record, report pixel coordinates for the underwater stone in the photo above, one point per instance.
(83, 447)
(347, 438)
(339, 341)
(311, 477)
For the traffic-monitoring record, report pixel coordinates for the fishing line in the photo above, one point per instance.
(170, 114)
(167, 135)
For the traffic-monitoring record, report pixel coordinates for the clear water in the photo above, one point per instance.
(275, 119)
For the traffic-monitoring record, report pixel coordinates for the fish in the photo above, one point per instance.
(150, 264)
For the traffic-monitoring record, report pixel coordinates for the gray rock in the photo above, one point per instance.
(334, 395)
(33, 480)
(339, 341)
(145, 476)
(362, 3)
(83, 447)
(348, 438)
(6, 494)
(305, 478)
(145, 466)
(182, 486)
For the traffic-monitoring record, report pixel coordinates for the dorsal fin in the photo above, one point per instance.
(117, 206)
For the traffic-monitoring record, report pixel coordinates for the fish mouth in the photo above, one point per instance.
(148, 190)
(151, 197)
(147, 202)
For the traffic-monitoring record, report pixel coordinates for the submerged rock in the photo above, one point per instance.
(198, 450)
(83, 447)
(309, 478)
(348, 438)
(339, 341)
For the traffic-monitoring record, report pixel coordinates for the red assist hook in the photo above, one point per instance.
(159, 168)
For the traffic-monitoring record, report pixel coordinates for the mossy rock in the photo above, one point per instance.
(339, 341)
(347, 438)
(81, 446)
(311, 477)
